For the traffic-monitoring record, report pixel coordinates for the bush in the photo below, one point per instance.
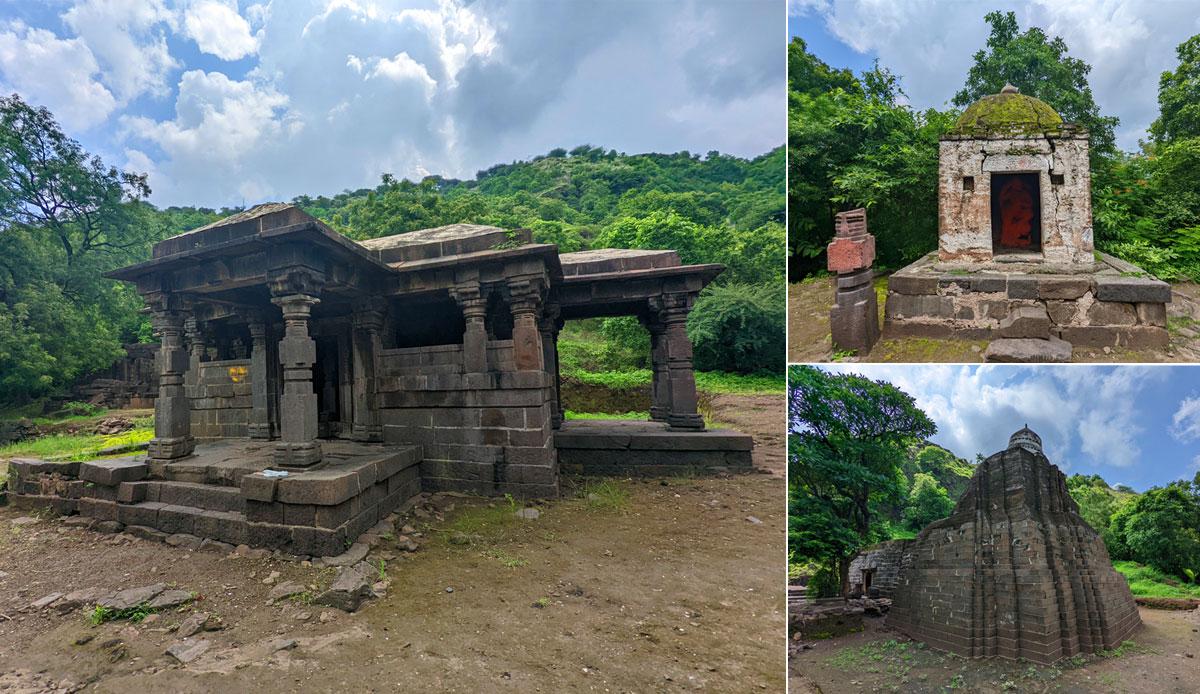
(739, 328)
(825, 583)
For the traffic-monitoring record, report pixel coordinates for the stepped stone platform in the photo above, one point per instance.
(1014, 572)
(220, 493)
(1108, 304)
(631, 447)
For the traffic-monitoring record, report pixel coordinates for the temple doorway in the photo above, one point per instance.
(1016, 213)
(331, 382)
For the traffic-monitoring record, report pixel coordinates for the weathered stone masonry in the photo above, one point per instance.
(370, 371)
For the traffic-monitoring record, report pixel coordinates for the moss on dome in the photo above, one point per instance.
(1008, 113)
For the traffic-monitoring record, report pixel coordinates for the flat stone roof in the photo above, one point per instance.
(443, 241)
(270, 215)
(603, 260)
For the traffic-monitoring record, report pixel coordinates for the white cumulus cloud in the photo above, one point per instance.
(128, 37)
(1185, 423)
(219, 30)
(75, 95)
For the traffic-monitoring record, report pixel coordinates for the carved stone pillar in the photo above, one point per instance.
(474, 307)
(261, 402)
(368, 321)
(549, 325)
(660, 393)
(294, 293)
(527, 340)
(681, 375)
(172, 409)
(197, 349)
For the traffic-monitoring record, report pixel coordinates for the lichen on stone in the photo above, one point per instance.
(1008, 114)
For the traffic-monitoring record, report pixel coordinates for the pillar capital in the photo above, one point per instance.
(368, 314)
(525, 296)
(296, 280)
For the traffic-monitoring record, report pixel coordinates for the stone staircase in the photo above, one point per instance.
(309, 513)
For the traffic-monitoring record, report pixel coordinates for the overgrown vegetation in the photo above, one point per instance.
(855, 142)
(76, 446)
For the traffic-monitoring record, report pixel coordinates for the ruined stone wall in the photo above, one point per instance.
(485, 433)
(220, 399)
(1013, 572)
(884, 559)
(964, 208)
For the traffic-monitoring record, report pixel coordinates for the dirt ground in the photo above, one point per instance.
(1164, 657)
(809, 339)
(679, 585)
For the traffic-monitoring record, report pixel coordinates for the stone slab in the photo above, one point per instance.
(1028, 351)
(111, 473)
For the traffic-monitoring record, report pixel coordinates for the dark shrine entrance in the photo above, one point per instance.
(331, 380)
(1016, 213)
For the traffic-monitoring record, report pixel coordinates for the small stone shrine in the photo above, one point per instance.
(1014, 572)
(1015, 258)
(854, 318)
(310, 384)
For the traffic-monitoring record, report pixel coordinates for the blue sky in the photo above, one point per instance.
(1133, 424)
(929, 44)
(228, 102)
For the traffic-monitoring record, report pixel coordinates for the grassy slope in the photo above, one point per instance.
(1148, 582)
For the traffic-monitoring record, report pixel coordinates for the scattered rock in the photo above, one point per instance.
(271, 578)
(1028, 350)
(79, 522)
(282, 644)
(184, 541)
(216, 546)
(449, 589)
(170, 598)
(327, 616)
(285, 590)
(108, 527)
(407, 544)
(144, 533)
(77, 599)
(303, 616)
(251, 552)
(754, 520)
(529, 513)
(186, 651)
(131, 597)
(193, 625)
(25, 520)
(356, 553)
(348, 591)
(44, 602)
(110, 426)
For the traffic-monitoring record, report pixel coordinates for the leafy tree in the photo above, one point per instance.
(1161, 528)
(735, 328)
(848, 438)
(927, 502)
(1040, 67)
(1179, 96)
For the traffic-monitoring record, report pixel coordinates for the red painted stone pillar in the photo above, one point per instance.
(527, 340)
(854, 318)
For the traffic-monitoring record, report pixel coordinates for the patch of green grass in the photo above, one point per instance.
(901, 533)
(508, 560)
(717, 382)
(1148, 582)
(572, 414)
(541, 602)
(73, 446)
(1125, 648)
(841, 354)
(99, 614)
(381, 567)
(483, 524)
(606, 494)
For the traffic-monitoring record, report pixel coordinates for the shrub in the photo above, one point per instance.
(739, 328)
(825, 583)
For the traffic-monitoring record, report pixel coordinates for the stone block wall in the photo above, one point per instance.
(1014, 572)
(221, 400)
(965, 166)
(884, 560)
(482, 433)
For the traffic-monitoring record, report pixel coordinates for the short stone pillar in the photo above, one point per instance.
(368, 321)
(261, 402)
(298, 446)
(526, 338)
(172, 409)
(660, 387)
(854, 318)
(681, 374)
(549, 325)
(474, 308)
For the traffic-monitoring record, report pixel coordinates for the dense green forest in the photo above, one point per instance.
(66, 217)
(853, 141)
(861, 470)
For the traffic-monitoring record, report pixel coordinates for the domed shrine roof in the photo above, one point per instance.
(1026, 438)
(1008, 113)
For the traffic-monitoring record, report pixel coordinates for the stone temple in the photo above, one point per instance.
(1015, 258)
(1014, 572)
(310, 384)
